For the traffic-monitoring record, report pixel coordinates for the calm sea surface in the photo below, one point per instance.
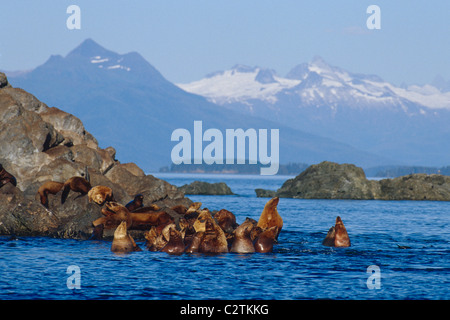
(407, 240)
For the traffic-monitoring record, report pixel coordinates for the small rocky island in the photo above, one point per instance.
(39, 144)
(329, 180)
(206, 188)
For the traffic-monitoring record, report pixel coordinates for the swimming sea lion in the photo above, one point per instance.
(49, 187)
(136, 203)
(100, 194)
(195, 242)
(6, 177)
(175, 245)
(242, 243)
(264, 242)
(341, 238)
(123, 242)
(329, 239)
(226, 220)
(76, 184)
(337, 236)
(213, 240)
(270, 216)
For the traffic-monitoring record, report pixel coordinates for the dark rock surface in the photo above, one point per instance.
(39, 144)
(328, 180)
(206, 188)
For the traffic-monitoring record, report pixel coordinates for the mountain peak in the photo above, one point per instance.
(89, 48)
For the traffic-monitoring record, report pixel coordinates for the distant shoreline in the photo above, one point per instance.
(293, 169)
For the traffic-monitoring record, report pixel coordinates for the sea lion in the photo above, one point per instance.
(6, 177)
(49, 187)
(193, 207)
(242, 242)
(213, 240)
(100, 194)
(264, 242)
(270, 217)
(175, 245)
(337, 235)
(151, 207)
(136, 203)
(341, 238)
(76, 184)
(115, 212)
(329, 239)
(200, 223)
(195, 242)
(226, 220)
(123, 242)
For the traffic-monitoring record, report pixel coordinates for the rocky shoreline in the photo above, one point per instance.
(329, 180)
(39, 144)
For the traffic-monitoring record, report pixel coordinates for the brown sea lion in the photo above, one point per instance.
(329, 239)
(195, 242)
(200, 222)
(337, 236)
(270, 216)
(136, 203)
(123, 242)
(100, 194)
(242, 242)
(213, 240)
(115, 212)
(194, 207)
(49, 187)
(341, 238)
(264, 242)
(6, 177)
(151, 237)
(175, 245)
(226, 220)
(149, 208)
(76, 184)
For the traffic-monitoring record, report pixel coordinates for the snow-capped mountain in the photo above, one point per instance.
(406, 123)
(124, 101)
(315, 83)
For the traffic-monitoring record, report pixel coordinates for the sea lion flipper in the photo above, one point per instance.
(65, 193)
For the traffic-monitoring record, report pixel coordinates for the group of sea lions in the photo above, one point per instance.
(194, 230)
(178, 229)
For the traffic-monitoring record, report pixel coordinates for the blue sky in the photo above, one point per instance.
(187, 39)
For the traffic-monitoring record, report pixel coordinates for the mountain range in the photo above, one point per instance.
(126, 102)
(408, 124)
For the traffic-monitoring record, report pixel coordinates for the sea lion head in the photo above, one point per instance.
(194, 207)
(272, 203)
(341, 236)
(264, 242)
(200, 222)
(121, 231)
(226, 220)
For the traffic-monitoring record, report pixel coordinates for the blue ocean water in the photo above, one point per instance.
(407, 240)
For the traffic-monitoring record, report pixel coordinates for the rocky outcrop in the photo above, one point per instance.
(39, 144)
(328, 180)
(206, 188)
